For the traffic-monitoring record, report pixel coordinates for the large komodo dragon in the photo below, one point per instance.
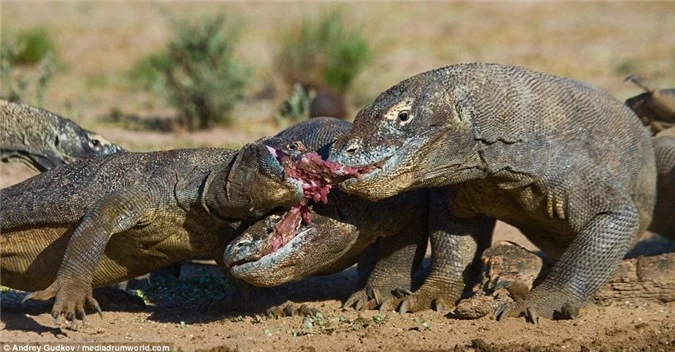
(564, 162)
(44, 140)
(114, 217)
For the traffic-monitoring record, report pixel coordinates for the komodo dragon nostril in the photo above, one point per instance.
(352, 149)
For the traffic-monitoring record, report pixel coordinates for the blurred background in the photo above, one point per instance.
(152, 76)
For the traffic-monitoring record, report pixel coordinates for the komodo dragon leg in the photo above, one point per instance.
(398, 258)
(456, 247)
(115, 213)
(607, 224)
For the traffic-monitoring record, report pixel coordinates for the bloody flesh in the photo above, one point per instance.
(317, 177)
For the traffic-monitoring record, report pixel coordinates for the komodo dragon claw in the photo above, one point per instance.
(291, 309)
(422, 299)
(367, 299)
(70, 299)
(540, 303)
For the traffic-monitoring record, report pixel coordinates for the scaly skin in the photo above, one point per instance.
(43, 140)
(565, 162)
(339, 233)
(663, 222)
(104, 220)
(656, 107)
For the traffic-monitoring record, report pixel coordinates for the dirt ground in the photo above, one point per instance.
(97, 42)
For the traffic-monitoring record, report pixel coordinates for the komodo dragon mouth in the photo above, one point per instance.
(316, 177)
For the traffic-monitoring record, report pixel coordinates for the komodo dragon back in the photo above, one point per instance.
(43, 140)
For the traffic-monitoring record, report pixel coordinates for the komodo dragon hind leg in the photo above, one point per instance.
(113, 214)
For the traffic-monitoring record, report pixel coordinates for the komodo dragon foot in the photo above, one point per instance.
(403, 300)
(547, 302)
(71, 296)
(372, 298)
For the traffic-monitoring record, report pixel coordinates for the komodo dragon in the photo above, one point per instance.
(114, 217)
(44, 140)
(565, 162)
(663, 222)
(656, 107)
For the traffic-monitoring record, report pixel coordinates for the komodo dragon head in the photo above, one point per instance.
(267, 255)
(44, 140)
(257, 182)
(424, 117)
(656, 107)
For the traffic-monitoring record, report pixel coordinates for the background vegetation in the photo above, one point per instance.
(97, 44)
(197, 72)
(26, 65)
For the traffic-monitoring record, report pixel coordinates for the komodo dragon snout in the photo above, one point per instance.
(398, 131)
(256, 184)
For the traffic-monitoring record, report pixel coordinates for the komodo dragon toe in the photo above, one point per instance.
(70, 298)
(422, 299)
(540, 302)
(371, 298)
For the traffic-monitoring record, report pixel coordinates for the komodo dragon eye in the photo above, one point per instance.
(404, 116)
(95, 142)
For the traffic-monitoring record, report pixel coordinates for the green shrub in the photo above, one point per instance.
(197, 72)
(33, 45)
(17, 84)
(323, 53)
(296, 108)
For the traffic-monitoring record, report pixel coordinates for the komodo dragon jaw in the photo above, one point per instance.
(264, 257)
(406, 124)
(254, 185)
(656, 107)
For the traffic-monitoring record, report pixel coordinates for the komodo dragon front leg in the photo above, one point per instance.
(398, 257)
(113, 214)
(456, 245)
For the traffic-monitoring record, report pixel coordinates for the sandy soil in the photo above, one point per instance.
(98, 42)
(626, 326)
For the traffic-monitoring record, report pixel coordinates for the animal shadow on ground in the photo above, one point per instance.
(202, 285)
